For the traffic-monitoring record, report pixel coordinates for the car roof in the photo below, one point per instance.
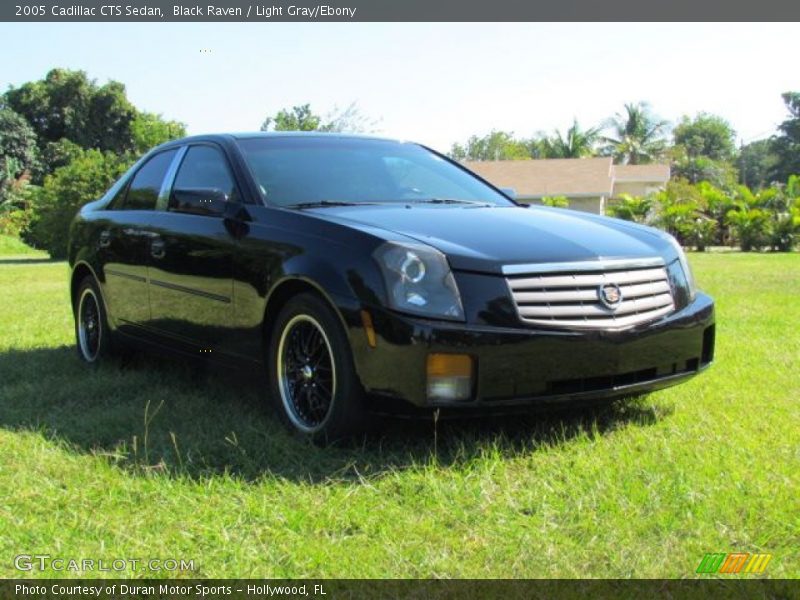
(309, 134)
(229, 137)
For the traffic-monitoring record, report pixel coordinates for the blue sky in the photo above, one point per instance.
(435, 83)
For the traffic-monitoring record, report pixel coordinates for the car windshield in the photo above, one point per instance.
(333, 171)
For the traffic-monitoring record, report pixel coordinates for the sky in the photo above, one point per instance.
(435, 83)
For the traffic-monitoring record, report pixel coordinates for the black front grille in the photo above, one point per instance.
(591, 384)
(610, 382)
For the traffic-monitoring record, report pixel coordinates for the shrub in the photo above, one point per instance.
(699, 233)
(749, 226)
(632, 208)
(55, 204)
(783, 230)
(18, 156)
(14, 211)
(556, 201)
(716, 202)
(678, 206)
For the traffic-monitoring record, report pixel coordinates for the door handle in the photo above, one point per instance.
(157, 248)
(105, 239)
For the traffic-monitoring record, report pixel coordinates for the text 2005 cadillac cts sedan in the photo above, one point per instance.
(362, 274)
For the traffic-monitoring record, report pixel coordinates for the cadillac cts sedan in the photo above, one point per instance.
(363, 274)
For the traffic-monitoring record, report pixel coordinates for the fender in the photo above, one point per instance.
(80, 265)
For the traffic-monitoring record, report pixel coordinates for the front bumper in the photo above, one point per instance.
(526, 366)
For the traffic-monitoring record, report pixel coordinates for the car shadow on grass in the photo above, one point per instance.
(162, 415)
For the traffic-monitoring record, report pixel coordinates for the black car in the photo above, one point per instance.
(365, 274)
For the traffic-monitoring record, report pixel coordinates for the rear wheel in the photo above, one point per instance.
(312, 379)
(91, 325)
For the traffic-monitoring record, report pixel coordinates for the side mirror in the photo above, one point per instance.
(510, 192)
(209, 202)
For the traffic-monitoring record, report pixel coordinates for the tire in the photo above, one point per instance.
(312, 380)
(92, 334)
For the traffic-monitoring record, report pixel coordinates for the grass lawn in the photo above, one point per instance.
(11, 246)
(156, 459)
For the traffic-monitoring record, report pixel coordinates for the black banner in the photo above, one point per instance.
(397, 10)
(328, 589)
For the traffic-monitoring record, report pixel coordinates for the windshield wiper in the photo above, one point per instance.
(323, 203)
(326, 203)
(447, 201)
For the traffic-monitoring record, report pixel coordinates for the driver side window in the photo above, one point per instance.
(203, 183)
(204, 167)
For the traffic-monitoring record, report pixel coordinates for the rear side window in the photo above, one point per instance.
(146, 184)
(203, 168)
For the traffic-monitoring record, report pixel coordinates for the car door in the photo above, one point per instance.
(191, 255)
(124, 243)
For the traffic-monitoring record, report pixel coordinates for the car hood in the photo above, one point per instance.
(485, 239)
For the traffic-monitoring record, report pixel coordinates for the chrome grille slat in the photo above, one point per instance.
(582, 280)
(596, 310)
(570, 299)
(620, 323)
(590, 293)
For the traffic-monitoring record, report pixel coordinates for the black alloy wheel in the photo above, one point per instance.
(91, 326)
(312, 379)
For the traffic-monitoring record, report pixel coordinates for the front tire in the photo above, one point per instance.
(312, 379)
(92, 335)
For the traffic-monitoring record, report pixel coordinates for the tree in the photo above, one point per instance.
(298, 118)
(704, 150)
(18, 153)
(575, 143)
(67, 104)
(706, 136)
(496, 145)
(786, 145)
(537, 146)
(637, 136)
(348, 120)
(302, 118)
(84, 179)
(721, 173)
(756, 163)
(54, 155)
(150, 130)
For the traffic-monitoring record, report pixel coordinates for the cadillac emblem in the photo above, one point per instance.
(610, 295)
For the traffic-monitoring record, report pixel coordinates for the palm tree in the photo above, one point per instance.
(637, 135)
(574, 144)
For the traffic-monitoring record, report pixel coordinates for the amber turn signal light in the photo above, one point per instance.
(369, 329)
(449, 377)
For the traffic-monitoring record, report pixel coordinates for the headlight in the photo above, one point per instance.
(687, 271)
(419, 281)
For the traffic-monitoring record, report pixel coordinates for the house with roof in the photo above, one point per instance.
(639, 180)
(588, 183)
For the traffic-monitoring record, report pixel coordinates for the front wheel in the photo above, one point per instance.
(312, 380)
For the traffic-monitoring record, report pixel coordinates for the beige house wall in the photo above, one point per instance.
(635, 188)
(588, 183)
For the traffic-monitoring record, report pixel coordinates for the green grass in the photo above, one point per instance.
(159, 459)
(11, 246)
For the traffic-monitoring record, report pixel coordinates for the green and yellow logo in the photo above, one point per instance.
(733, 563)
